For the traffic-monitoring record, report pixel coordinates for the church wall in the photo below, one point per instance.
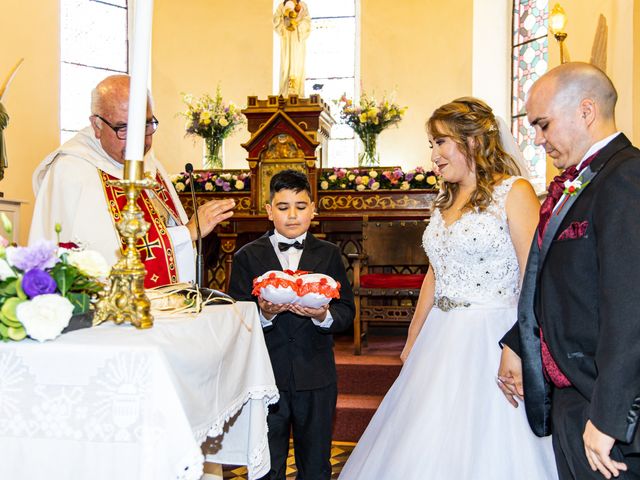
(30, 29)
(196, 46)
(623, 57)
(416, 48)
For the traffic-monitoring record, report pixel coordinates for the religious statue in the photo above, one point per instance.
(4, 119)
(292, 22)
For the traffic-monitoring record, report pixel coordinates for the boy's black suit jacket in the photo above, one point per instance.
(583, 292)
(296, 345)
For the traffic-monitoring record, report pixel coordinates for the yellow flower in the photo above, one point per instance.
(360, 187)
(419, 177)
(333, 178)
(405, 186)
(179, 187)
(324, 185)
(239, 185)
(223, 122)
(208, 186)
(373, 174)
(431, 180)
(351, 177)
(365, 179)
(363, 118)
(375, 186)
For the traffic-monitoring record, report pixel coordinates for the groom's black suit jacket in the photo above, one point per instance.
(583, 292)
(296, 345)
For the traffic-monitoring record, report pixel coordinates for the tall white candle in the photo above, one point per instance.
(139, 76)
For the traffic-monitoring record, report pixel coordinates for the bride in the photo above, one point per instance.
(444, 418)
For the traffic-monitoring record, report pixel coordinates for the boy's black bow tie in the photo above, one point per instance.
(283, 246)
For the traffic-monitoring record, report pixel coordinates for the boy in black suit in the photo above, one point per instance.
(299, 339)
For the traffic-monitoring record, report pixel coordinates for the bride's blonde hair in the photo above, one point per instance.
(471, 124)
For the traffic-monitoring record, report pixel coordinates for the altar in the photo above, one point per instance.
(113, 402)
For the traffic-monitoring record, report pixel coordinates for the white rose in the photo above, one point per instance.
(239, 185)
(208, 186)
(324, 185)
(375, 186)
(351, 177)
(226, 176)
(5, 270)
(419, 177)
(223, 122)
(90, 263)
(179, 187)
(45, 316)
(405, 186)
(333, 177)
(373, 174)
(360, 187)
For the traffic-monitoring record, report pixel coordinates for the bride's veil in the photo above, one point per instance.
(510, 146)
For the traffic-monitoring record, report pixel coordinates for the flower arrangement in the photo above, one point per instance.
(43, 285)
(210, 118)
(368, 119)
(213, 182)
(374, 179)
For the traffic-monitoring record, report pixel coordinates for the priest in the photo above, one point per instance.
(72, 189)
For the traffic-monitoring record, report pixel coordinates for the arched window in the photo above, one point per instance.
(529, 61)
(93, 45)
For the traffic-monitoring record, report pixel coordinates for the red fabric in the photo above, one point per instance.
(550, 366)
(391, 280)
(574, 231)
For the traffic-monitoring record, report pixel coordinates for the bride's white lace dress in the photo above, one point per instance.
(444, 417)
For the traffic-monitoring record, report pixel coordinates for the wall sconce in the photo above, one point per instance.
(557, 22)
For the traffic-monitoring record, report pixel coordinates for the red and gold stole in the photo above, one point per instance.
(156, 249)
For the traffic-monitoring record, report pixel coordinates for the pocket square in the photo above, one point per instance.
(575, 230)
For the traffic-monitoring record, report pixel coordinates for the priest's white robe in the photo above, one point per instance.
(69, 191)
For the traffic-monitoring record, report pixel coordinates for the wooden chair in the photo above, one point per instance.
(387, 275)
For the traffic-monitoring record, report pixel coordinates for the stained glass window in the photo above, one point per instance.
(331, 67)
(530, 58)
(93, 45)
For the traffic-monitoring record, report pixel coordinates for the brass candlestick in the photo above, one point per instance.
(126, 301)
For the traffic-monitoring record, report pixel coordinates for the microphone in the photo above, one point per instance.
(199, 258)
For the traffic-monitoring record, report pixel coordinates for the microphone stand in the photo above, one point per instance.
(199, 258)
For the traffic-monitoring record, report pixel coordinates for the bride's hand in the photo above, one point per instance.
(510, 376)
(405, 352)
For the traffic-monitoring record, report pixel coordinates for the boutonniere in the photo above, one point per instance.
(573, 187)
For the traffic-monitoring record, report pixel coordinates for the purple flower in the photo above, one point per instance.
(397, 173)
(219, 182)
(38, 282)
(408, 177)
(226, 186)
(42, 255)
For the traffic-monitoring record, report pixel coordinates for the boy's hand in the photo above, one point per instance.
(318, 314)
(270, 310)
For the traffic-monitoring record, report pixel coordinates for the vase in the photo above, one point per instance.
(369, 156)
(213, 152)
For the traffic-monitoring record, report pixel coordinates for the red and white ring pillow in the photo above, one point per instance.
(316, 290)
(312, 290)
(276, 287)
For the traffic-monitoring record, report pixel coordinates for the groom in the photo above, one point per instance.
(575, 351)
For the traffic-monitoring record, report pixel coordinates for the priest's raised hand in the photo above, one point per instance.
(210, 214)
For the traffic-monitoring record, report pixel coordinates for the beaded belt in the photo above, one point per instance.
(445, 304)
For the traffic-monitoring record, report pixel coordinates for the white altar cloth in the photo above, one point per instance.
(113, 402)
